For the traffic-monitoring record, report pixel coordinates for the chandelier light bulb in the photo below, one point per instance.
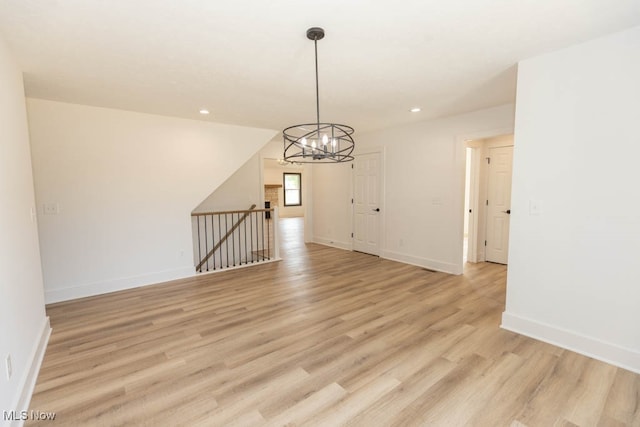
(313, 144)
(304, 141)
(325, 139)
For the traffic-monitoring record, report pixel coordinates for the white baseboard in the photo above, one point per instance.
(333, 243)
(107, 286)
(238, 267)
(588, 346)
(394, 256)
(28, 383)
(431, 264)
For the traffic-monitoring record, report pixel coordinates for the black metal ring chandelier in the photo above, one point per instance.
(318, 142)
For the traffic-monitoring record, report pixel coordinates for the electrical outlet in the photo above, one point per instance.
(51, 209)
(9, 367)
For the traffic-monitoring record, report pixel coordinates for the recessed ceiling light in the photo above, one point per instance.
(204, 112)
(415, 110)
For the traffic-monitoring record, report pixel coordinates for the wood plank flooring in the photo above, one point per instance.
(325, 338)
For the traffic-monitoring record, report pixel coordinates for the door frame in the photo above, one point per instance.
(474, 192)
(382, 184)
(462, 141)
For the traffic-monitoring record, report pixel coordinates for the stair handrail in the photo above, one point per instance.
(245, 213)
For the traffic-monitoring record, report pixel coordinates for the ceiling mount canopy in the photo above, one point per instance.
(318, 142)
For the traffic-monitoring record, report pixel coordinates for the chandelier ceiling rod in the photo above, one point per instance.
(314, 33)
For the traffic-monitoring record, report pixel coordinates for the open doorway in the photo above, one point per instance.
(286, 187)
(487, 208)
(283, 187)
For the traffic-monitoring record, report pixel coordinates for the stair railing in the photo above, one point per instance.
(234, 238)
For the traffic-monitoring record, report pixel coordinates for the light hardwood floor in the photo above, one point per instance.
(325, 337)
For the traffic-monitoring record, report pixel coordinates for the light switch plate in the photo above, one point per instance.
(9, 367)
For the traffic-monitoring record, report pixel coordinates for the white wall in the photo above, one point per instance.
(24, 328)
(331, 209)
(125, 184)
(573, 274)
(238, 192)
(424, 188)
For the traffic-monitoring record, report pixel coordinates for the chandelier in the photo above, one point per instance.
(318, 142)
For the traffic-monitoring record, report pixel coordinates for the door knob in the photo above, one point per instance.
(508, 211)
(376, 210)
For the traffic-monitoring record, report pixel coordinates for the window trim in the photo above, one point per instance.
(284, 189)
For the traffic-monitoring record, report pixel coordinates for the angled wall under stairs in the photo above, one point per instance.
(115, 190)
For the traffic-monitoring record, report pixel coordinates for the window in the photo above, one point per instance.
(292, 189)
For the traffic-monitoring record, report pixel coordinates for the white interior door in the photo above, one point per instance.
(498, 204)
(366, 203)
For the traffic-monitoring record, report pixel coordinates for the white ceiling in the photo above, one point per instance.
(250, 63)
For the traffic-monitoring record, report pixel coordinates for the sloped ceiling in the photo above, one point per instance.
(250, 63)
